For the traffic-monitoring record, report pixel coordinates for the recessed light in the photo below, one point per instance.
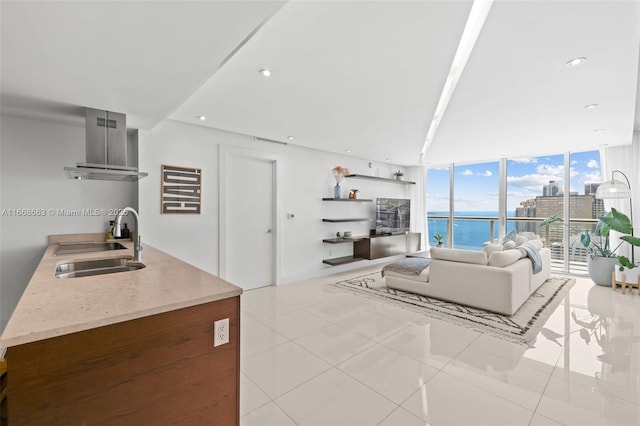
(576, 61)
(265, 72)
(598, 130)
(347, 150)
(591, 106)
(201, 117)
(290, 138)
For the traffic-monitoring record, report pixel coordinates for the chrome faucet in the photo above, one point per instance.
(137, 244)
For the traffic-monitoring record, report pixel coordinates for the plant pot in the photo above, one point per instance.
(601, 268)
(398, 177)
(630, 275)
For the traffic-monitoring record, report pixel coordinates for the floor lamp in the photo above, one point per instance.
(617, 189)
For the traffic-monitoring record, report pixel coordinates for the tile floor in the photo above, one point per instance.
(315, 355)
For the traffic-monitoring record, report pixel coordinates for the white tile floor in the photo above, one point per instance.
(315, 355)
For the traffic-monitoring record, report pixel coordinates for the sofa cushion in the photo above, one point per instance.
(521, 239)
(423, 277)
(456, 255)
(537, 243)
(509, 245)
(504, 258)
(490, 248)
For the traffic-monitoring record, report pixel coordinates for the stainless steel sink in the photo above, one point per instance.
(69, 248)
(87, 268)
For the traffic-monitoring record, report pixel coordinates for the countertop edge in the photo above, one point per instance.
(32, 303)
(49, 334)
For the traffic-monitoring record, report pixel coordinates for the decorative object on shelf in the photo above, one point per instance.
(181, 190)
(338, 234)
(398, 174)
(353, 194)
(339, 173)
(346, 234)
(438, 238)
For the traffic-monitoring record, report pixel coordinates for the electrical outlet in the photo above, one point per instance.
(221, 332)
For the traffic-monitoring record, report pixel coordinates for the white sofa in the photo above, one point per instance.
(493, 279)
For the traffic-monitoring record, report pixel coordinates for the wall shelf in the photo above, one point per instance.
(342, 240)
(351, 200)
(381, 179)
(347, 220)
(341, 260)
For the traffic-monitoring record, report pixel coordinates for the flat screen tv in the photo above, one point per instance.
(392, 215)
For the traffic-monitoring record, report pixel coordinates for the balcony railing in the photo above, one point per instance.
(552, 236)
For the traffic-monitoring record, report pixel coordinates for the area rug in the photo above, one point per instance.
(522, 327)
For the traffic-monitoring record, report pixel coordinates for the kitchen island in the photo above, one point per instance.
(123, 348)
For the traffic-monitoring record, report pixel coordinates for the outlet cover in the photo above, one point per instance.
(221, 332)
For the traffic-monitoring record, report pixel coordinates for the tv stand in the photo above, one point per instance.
(375, 247)
(378, 246)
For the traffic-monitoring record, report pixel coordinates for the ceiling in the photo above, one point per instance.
(362, 76)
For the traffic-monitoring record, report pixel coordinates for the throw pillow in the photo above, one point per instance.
(509, 245)
(537, 243)
(456, 255)
(521, 239)
(511, 236)
(490, 248)
(504, 258)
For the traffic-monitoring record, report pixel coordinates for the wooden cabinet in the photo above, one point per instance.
(159, 369)
(375, 247)
(3, 391)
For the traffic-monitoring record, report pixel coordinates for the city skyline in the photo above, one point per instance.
(476, 185)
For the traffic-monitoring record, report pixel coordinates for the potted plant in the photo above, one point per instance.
(398, 174)
(631, 271)
(601, 260)
(438, 238)
(620, 222)
(354, 193)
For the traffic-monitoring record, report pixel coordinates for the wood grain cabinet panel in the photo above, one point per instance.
(160, 369)
(376, 247)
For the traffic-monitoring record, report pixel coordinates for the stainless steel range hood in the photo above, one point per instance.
(111, 150)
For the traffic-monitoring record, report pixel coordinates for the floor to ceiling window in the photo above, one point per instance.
(475, 198)
(584, 208)
(535, 191)
(536, 188)
(438, 203)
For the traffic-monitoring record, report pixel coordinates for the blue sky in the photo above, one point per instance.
(476, 185)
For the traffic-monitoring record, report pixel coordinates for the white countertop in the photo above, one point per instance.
(51, 307)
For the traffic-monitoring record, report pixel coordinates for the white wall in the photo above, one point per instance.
(307, 179)
(33, 154)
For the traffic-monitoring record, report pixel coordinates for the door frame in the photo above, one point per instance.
(226, 152)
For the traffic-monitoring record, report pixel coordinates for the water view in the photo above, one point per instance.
(467, 234)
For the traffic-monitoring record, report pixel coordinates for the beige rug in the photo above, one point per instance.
(522, 327)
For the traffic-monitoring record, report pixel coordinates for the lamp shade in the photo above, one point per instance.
(613, 189)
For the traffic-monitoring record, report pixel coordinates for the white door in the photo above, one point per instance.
(249, 221)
